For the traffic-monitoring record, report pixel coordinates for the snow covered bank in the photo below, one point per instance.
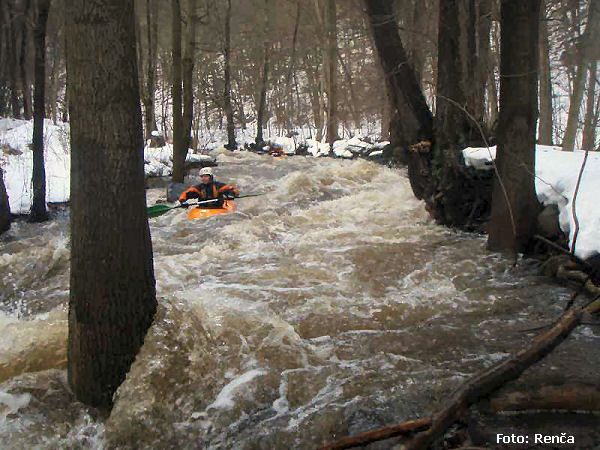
(556, 178)
(16, 160)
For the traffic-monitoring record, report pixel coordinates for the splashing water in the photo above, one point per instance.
(330, 305)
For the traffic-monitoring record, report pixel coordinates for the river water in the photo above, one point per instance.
(330, 305)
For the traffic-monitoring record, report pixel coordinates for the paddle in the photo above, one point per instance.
(159, 210)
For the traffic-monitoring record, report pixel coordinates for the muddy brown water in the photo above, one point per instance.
(331, 305)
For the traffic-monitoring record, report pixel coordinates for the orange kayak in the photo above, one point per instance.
(199, 212)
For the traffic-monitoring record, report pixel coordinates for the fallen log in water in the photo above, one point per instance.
(493, 378)
(483, 385)
(401, 429)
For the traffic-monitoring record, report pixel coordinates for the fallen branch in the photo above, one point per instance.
(493, 378)
(481, 386)
(554, 245)
(401, 429)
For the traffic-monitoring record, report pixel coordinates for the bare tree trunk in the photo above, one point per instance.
(588, 42)
(451, 196)
(331, 68)
(589, 135)
(514, 202)
(53, 87)
(179, 149)
(38, 208)
(312, 75)
(386, 111)
(5, 218)
(112, 289)
(575, 107)
(469, 61)
(292, 69)
(152, 38)
(4, 85)
(13, 59)
(545, 126)
(260, 114)
(188, 72)
(23, 60)
(231, 144)
(417, 123)
(353, 104)
(482, 69)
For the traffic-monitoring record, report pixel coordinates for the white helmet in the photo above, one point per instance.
(206, 171)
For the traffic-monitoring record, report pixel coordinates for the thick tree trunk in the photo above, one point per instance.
(589, 132)
(4, 206)
(453, 197)
(470, 60)
(113, 299)
(179, 147)
(262, 98)
(545, 127)
(231, 144)
(38, 208)
(331, 68)
(416, 123)
(514, 202)
(586, 51)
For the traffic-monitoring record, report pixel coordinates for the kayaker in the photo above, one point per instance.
(209, 189)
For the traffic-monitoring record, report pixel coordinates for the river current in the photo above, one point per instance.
(330, 305)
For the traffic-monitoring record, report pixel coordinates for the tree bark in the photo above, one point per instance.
(484, 26)
(53, 87)
(23, 60)
(179, 147)
(152, 38)
(331, 68)
(589, 131)
(38, 211)
(188, 74)
(4, 85)
(545, 127)
(386, 111)
(453, 198)
(260, 114)
(231, 144)
(353, 103)
(5, 218)
(12, 56)
(112, 298)
(314, 87)
(470, 60)
(514, 202)
(585, 52)
(292, 72)
(416, 119)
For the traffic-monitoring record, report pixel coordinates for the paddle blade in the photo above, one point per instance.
(251, 195)
(159, 210)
